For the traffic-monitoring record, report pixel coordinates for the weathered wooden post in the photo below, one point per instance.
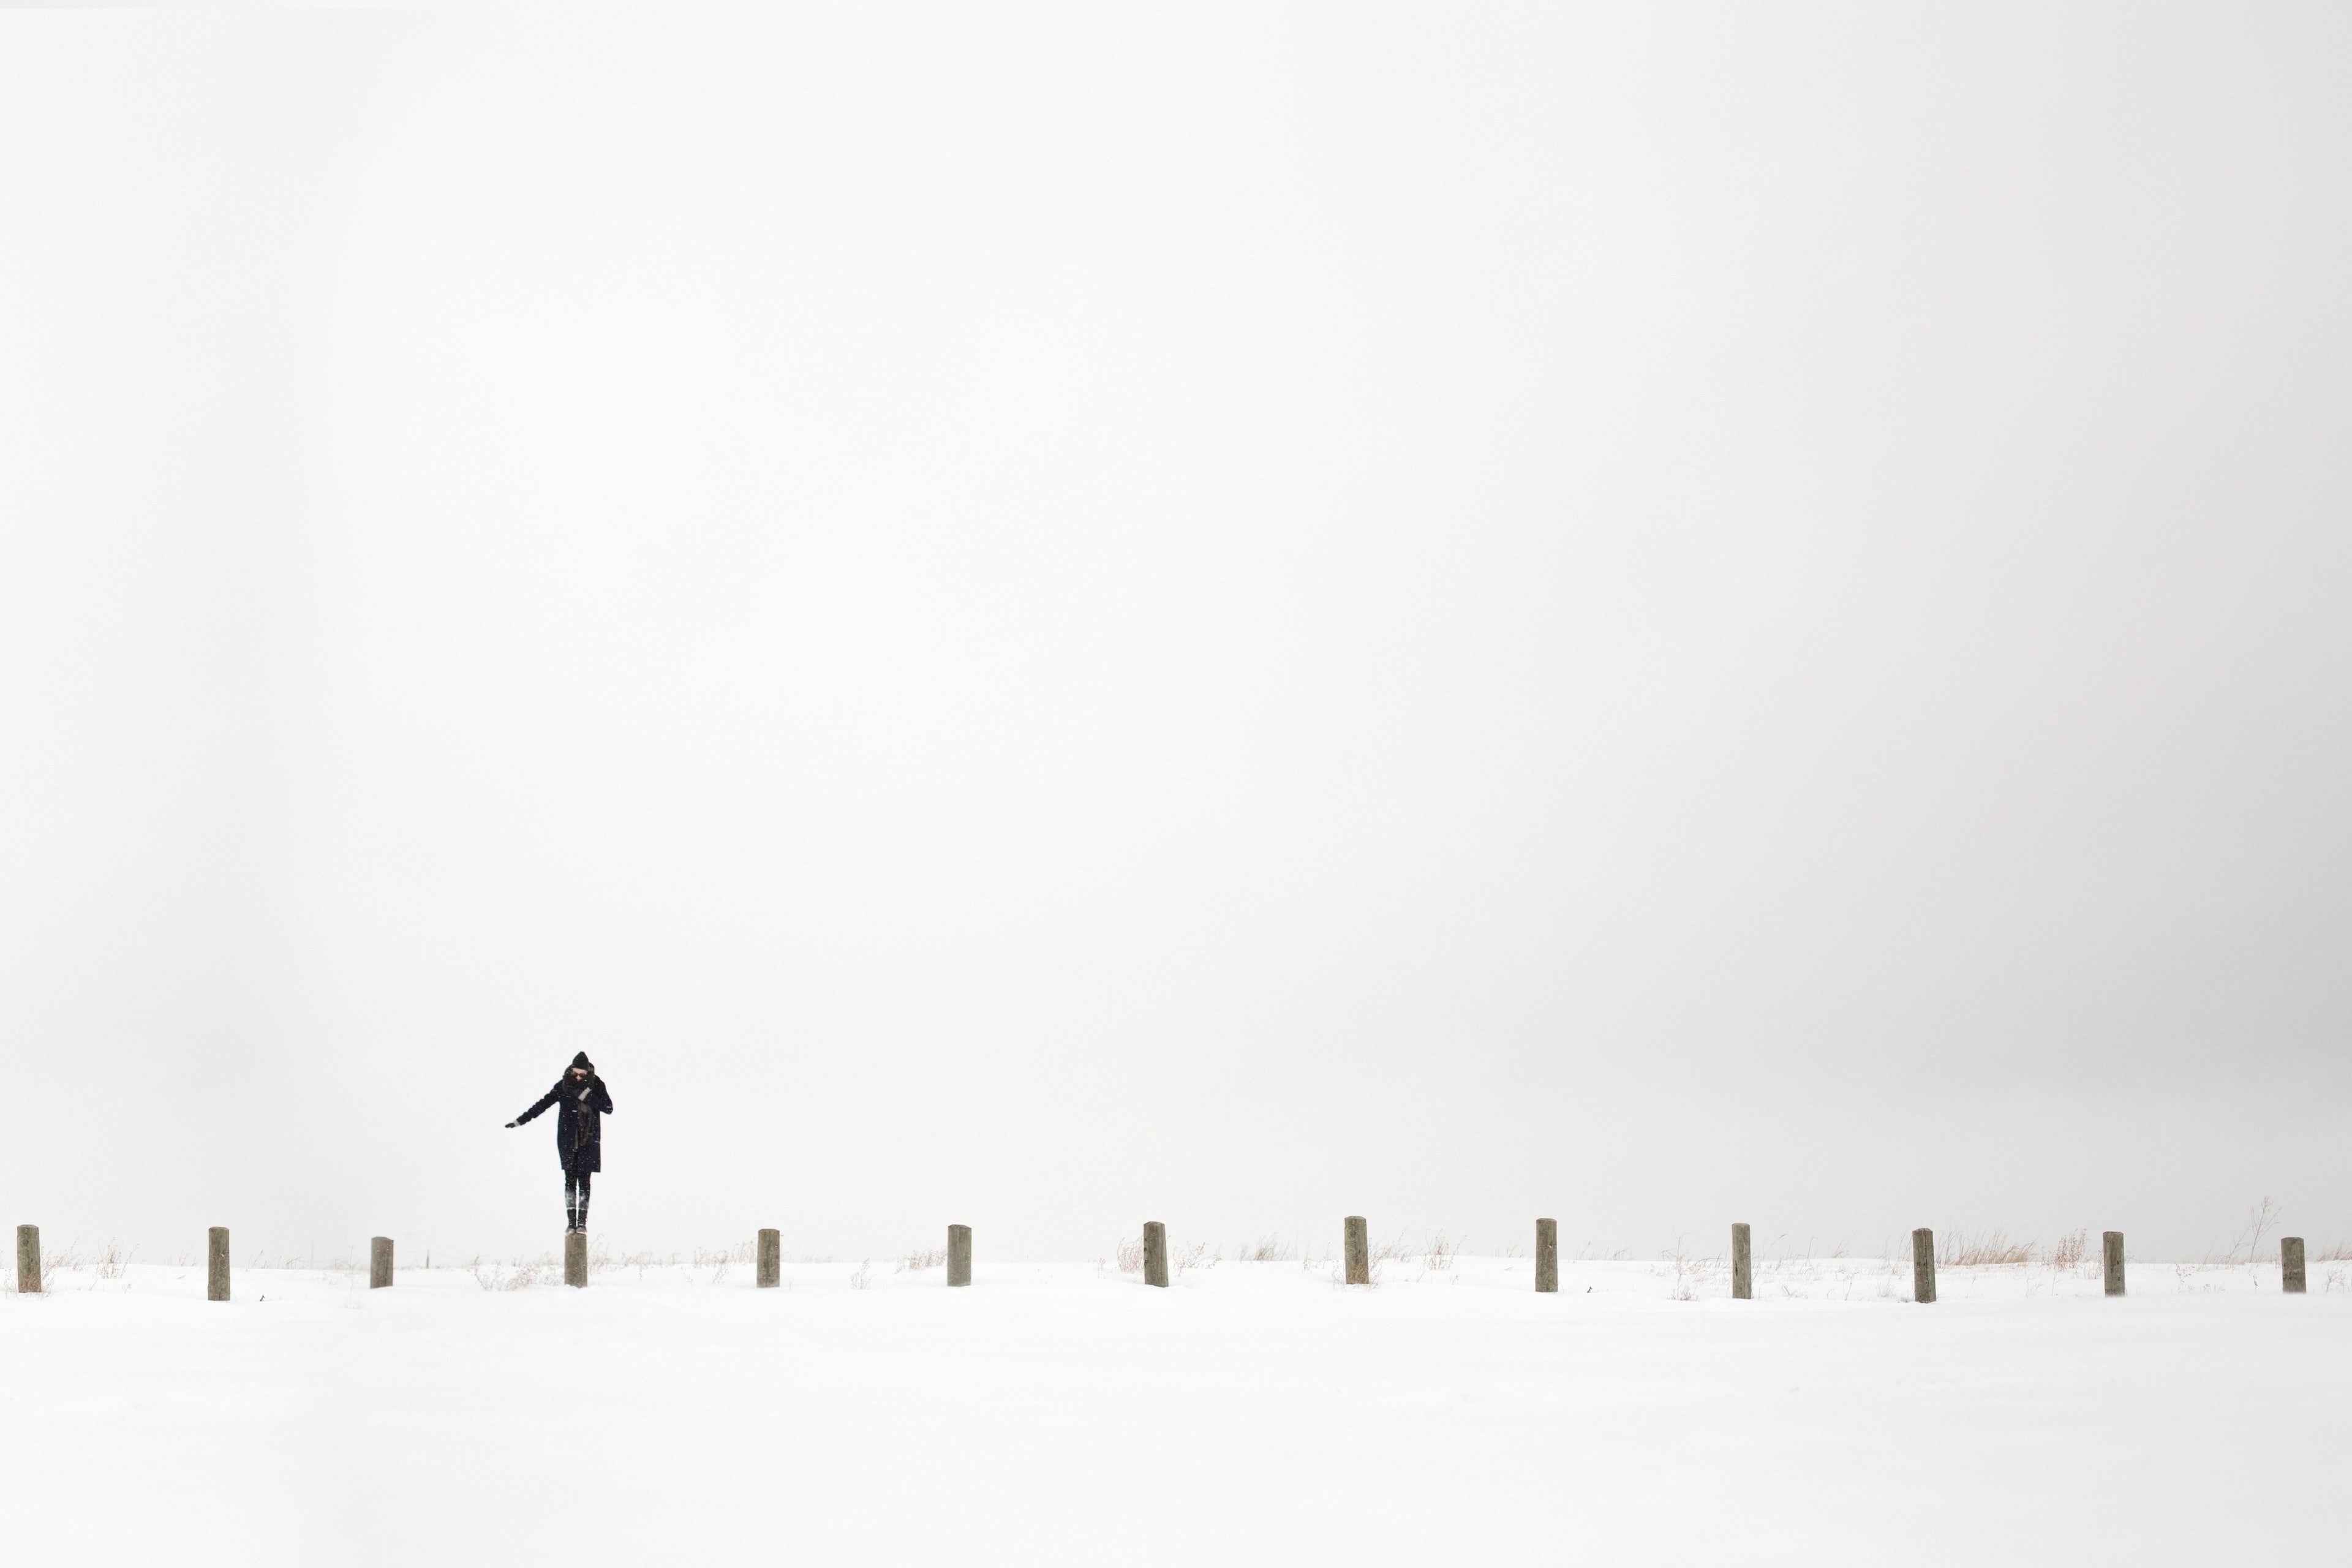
(1548, 1255)
(2291, 1265)
(2111, 1250)
(217, 1264)
(380, 1263)
(1743, 1265)
(28, 1260)
(772, 1259)
(1359, 1246)
(1923, 1265)
(1155, 1254)
(576, 1257)
(958, 1255)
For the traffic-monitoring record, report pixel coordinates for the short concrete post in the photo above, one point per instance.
(1923, 1265)
(1359, 1243)
(772, 1259)
(2291, 1265)
(1548, 1255)
(380, 1263)
(217, 1264)
(1155, 1254)
(1743, 1265)
(2111, 1249)
(28, 1260)
(958, 1255)
(576, 1257)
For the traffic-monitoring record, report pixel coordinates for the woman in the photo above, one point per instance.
(583, 1103)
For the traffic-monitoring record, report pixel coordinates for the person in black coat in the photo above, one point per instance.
(583, 1102)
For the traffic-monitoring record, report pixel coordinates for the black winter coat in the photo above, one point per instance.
(581, 1109)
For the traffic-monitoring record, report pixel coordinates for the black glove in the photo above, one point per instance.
(514, 1123)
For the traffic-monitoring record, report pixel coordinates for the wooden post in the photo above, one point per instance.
(1548, 1255)
(576, 1257)
(2291, 1265)
(2111, 1249)
(28, 1260)
(958, 1255)
(1743, 1265)
(217, 1264)
(1155, 1254)
(1923, 1265)
(772, 1259)
(380, 1263)
(1358, 1237)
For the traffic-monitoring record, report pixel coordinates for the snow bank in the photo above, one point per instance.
(1254, 1413)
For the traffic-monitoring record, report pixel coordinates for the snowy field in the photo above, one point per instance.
(1254, 1413)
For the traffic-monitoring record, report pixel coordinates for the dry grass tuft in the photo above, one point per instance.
(1687, 1273)
(2262, 1218)
(1131, 1255)
(520, 1275)
(1983, 1249)
(1267, 1249)
(2072, 1251)
(600, 1256)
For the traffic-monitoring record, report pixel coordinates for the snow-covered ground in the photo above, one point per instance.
(1254, 1413)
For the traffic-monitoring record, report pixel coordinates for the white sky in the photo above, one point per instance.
(1235, 617)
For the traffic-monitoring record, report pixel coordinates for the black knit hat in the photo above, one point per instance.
(580, 1059)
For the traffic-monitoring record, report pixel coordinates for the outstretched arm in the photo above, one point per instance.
(541, 1103)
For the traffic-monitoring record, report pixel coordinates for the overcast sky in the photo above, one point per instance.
(1054, 619)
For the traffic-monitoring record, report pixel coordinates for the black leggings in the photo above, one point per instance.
(575, 1198)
